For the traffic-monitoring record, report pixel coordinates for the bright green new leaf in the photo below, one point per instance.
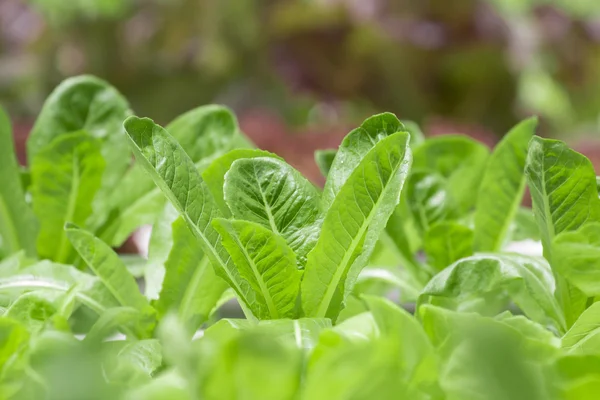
(353, 149)
(17, 222)
(447, 242)
(527, 280)
(584, 335)
(190, 285)
(576, 257)
(65, 177)
(111, 321)
(109, 269)
(562, 183)
(176, 175)
(502, 187)
(353, 225)
(214, 174)
(563, 189)
(271, 193)
(92, 105)
(267, 263)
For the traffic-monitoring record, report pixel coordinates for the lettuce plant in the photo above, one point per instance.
(310, 268)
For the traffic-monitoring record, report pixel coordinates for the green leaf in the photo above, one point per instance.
(353, 225)
(414, 347)
(267, 263)
(527, 280)
(584, 335)
(66, 175)
(214, 174)
(563, 189)
(79, 103)
(353, 149)
(502, 187)
(159, 248)
(562, 183)
(46, 275)
(190, 285)
(92, 105)
(485, 359)
(428, 199)
(33, 309)
(176, 175)
(447, 242)
(578, 377)
(576, 257)
(205, 133)
(460, 161)
(273, 194)
(109, 269)
(324, 160)
(132, 363)
(416, 134)
(17, 222)
(110, 322)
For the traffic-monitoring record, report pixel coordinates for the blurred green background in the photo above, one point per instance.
(315, 68)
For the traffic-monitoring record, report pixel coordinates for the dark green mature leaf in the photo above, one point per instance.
(190, 285)
(17, 222)
(576, 257)
(353, 149)
(324, 160)
(267, 263)
(109, 269)
(563, 189)
(214, 174)
(353, 225)
(527, 280)
(502, 187)
(447, 242)
(66, 175)
(584, 335)
(460, 161)
(270, 192)
(176, 175)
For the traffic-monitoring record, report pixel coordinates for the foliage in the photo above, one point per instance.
(311, 269)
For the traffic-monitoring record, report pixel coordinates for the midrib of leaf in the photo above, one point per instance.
(63, 247)
(186, 303)
(498, 242)
(267, 205)
(168, 191)
(8, 231)
(325, 302)
(36, 283)
(547, 211)
(261, 283)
